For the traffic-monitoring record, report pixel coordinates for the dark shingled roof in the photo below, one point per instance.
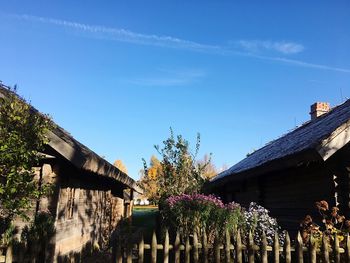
(80, 155)
(320, 135)
(84, 158)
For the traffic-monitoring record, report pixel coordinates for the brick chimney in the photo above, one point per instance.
(318, 109)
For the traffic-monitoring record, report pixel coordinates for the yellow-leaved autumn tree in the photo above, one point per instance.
(209, 169)
(121, 166)
(149, 180)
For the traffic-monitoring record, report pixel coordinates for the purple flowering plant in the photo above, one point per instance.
(191, 213)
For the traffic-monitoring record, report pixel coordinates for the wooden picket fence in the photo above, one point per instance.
(5, 254)
(232, 250)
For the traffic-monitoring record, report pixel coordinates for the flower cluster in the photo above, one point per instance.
(197, 212)
(200, 198)
(232, 206)
(259, 221)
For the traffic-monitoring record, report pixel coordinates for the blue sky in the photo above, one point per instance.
(118, 74)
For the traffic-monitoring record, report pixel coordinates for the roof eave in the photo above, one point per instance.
(90, 162)
(335, 141)
(321, 151)
(86, 161)
(294, 160)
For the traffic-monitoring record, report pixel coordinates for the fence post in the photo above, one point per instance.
(154, 248)
(276, 249)
(239, 247)
(312, 250)
(217, 248)
(9, 256)
(187, 250)
(325, 249)
(195, 248)
(287, 251)
(263, 248)
(227, 246)
(177, 247)
(347, 248)
(119, 254)
(129, 252)
(205, 247)
(336, 249)
(141, 249)
(23, 248)
(166, 247)
(299, 254)
(250, 248)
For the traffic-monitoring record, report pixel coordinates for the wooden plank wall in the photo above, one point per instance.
(95, 213)
(95, 210)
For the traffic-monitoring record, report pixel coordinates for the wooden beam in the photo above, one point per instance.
(339, 138)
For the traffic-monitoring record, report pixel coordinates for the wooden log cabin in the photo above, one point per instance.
(88, 198)
(289, 174)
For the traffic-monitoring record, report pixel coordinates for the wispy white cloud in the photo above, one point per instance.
(123, 35)
(167, 78)
(304, 64)
(283, 47)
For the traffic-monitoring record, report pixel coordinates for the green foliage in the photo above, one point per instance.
(7, 237)
(179, 171)
(22, 138)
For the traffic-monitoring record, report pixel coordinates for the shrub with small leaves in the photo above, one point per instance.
(23, 135)
(178, 171)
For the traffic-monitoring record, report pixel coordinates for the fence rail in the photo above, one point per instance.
(231, 250)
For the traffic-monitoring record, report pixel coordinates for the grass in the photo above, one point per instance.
(145, 219)
(145, 207)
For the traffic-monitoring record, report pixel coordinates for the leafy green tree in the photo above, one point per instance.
(179, 171)
(22, 138)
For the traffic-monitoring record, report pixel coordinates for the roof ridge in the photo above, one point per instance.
(308, 136)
